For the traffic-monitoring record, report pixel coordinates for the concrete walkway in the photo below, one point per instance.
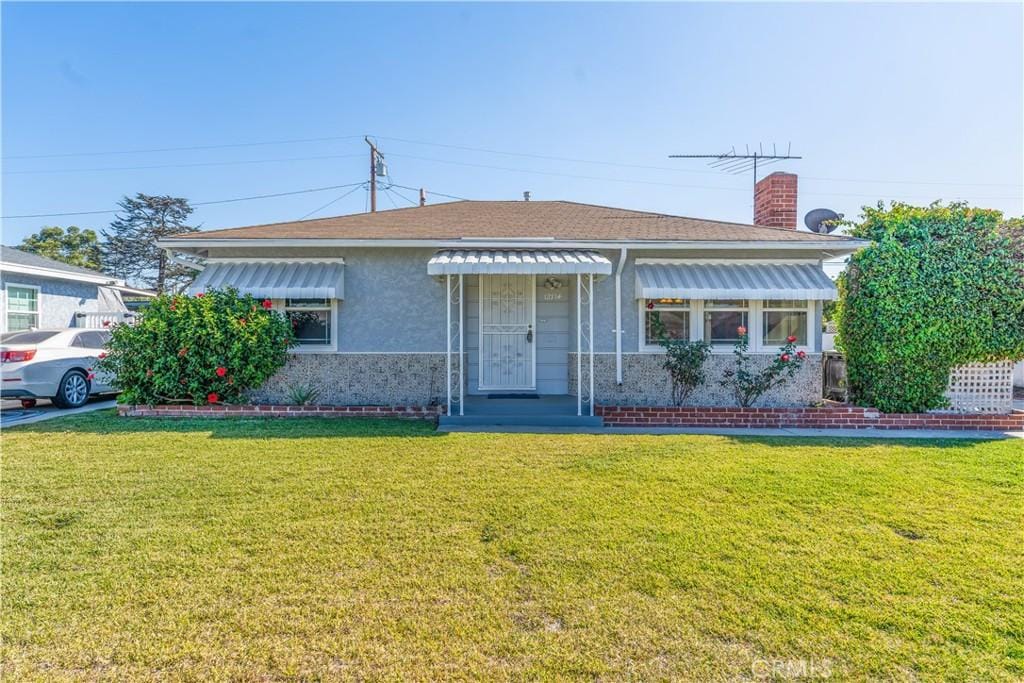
(13, 415)
(829, 433)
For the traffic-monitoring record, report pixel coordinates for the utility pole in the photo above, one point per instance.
(423, 197)
(373, 175)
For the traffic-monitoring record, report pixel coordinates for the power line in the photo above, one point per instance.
(336, 199)
(655, 182)
(207, 203)
(676, 170)
(203, 163)
(392, 186)
(391, 199)
(180, 149)
(541, 156)
(467, 148)
(439, 194)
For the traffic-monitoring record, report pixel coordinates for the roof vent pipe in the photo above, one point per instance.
(526, 196)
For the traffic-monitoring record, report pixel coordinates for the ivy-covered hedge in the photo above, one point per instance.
(940, 286)
(197, 349)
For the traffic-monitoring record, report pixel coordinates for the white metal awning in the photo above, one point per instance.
(733, 281)
(518, 261)
(275, 279)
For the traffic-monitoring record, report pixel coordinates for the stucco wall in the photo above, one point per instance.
(59, 300)
(391, 336)
(646, 382)
(392, 305)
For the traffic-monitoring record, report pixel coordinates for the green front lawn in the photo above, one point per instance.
(332, 549)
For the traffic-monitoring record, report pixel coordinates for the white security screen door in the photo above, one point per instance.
(507, 327)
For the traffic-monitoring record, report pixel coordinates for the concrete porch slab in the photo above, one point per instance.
(540, 412)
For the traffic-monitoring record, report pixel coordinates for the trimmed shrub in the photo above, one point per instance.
(939, 287)
(197, 349)
(684, 360)
(749, 385)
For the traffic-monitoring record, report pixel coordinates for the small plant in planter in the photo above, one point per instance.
(303, 394)
(203, 349)
(749, 385)
(684, 361)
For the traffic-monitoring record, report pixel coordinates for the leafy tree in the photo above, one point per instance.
(939, 287)
(73, 246)
(208, 348)
(131, 252)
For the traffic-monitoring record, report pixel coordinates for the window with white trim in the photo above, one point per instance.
(722, 319)
(675, 317)
(22, 308)
(781, 319)
(311, 320)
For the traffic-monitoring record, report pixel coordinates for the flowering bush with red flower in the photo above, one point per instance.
(197, 349)
(748, 385)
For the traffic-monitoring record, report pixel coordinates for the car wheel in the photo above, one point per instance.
(73, 390)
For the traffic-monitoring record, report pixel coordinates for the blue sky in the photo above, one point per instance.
(916, 102)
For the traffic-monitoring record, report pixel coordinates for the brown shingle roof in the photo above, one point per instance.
(514, 219)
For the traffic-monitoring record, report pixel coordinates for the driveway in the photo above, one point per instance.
(12, 414)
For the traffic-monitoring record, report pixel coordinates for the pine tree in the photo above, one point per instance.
(130, 251)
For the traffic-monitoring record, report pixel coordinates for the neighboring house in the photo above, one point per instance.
(460, 301)
(38, 292)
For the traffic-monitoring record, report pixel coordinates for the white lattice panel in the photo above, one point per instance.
(981, 388)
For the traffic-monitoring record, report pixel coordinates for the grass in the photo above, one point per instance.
(320, 549)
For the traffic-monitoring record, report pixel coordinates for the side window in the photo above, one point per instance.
(90, 340)
(310, 319)
(95, 340)
(22, 307)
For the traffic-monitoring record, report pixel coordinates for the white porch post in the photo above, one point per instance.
(584, 335)
(454, 371)
(462, 355)
(579, 345)
(448, 338)
(590, 329)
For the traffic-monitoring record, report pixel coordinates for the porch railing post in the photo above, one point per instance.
(590, 338)
(462, 322)
(579, 345)
(448, 340)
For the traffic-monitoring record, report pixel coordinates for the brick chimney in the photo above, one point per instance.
(775, 201)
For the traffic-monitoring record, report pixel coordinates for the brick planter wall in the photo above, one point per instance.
(810, 418)
(409, 412)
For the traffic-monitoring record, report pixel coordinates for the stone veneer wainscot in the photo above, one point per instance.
(646, 382)
(351, 379)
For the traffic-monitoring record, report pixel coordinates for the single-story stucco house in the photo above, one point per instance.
(40, 293)
(469, 300)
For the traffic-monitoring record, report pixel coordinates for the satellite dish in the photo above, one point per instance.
(822, 221)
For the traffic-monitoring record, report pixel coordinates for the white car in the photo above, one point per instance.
(56, 364)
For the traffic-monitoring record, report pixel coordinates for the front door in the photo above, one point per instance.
(507, 332)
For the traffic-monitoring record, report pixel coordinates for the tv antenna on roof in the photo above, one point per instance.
(735, 164)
